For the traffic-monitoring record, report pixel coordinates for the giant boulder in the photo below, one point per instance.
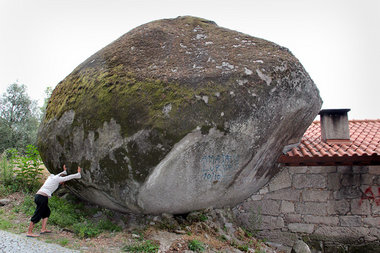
(177, 115)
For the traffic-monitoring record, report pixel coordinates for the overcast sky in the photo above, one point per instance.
(337, 41)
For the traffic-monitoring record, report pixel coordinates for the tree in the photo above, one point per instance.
(19, 118)
(48, 92)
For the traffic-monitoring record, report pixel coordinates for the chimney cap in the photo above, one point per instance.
(334, 111)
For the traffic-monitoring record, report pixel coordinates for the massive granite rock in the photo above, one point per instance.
(177, 115)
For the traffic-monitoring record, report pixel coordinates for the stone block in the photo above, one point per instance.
(375, 207)
(286, 194)
(360, 169)
(326, 220)
(360, 207)
(293, 218)
(271, 222)
(375, 170)
(278, 236)
(297, 169)
(367, 179)
(340, 207)
(256, 197)
(321, 169)
(301, 228)
(280, 181)
(376, 180)
(264, 190)
(301, 181)
(333, 181)
(348, 192)
(350, 221)
(265, 207)
(372, 221)
(311, 208)
(341, 234)
(375, 232)
(315, 195)
(344, 169)
(287, 207)
(351, 179)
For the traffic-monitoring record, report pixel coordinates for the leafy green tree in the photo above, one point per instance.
(19, 118)
(48, 92)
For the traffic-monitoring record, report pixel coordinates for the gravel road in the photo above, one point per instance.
(12, 243)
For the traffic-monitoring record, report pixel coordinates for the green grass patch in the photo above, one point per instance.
(146, 247)
(5, 224)
(86, 229)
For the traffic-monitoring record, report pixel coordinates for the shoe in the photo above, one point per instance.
(45, 232)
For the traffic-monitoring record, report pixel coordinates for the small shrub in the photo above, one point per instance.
(146, 247)
(25, 176)
(196, 246)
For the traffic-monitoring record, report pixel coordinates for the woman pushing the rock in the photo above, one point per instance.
(41, 199)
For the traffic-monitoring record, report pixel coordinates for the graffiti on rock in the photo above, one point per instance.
(368, 194)
(215, 167)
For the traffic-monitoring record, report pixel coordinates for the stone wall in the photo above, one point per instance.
(323, 204)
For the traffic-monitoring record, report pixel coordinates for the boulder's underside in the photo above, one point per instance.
(177, 115)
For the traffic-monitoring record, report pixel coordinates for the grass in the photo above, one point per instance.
(145, 246)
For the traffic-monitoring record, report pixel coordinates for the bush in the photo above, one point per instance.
(20, 172)
(29, 171)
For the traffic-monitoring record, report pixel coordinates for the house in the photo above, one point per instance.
(328, 190)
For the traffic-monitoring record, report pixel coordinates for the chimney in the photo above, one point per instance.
(334, 126)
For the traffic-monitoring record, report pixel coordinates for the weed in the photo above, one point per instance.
(109, 226)
(203, 217)
(196, 246)
(223, 238)
(27, 207)
(247, 233)
(146, 247)
(86, 229)
(244, 248)
(63, 242)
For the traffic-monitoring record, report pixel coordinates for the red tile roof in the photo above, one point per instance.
(362, 148)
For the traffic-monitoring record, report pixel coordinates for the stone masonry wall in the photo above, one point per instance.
(330, 204)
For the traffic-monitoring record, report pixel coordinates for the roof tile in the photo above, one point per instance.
(364, 141)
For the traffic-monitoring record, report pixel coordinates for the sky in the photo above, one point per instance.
(337, 41)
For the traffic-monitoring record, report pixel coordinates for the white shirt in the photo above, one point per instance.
(52, 182)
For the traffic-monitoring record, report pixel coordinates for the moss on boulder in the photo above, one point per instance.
(176, 115)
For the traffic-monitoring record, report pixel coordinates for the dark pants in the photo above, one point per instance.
(42, 210)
